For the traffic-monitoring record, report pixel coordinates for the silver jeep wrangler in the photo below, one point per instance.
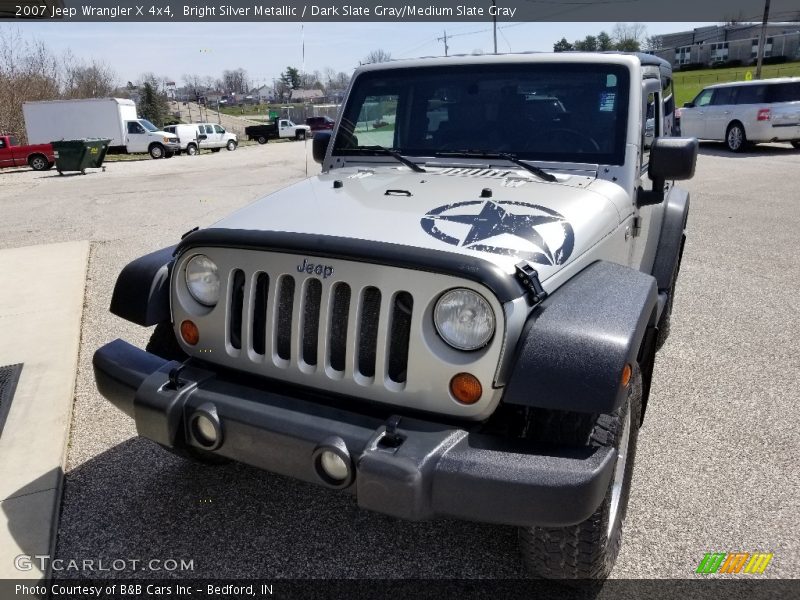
(458, 317)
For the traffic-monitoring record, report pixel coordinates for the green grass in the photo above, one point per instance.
(690, 83)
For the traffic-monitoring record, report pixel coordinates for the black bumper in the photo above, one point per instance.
(437, 469)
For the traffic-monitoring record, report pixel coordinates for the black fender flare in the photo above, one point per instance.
(141, 294)
(671, 238)
(576, 343)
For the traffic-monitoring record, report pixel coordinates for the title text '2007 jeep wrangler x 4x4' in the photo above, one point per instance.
(458, 317)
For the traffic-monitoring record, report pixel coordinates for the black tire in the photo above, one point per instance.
(231, 145)
(262, 139)
(795, 144)
(163, 343)
(191, 149)
(300, 135)
(735, 137)
(589, 549)
(157, 151)
(39, 162)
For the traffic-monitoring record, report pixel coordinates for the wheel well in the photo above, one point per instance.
(155, 144)
(732, 123)
(191, 144)
(34, 155)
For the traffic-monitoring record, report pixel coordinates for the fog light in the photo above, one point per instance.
(205, 427)
(190, 333)
(334, 465)
(466, 388)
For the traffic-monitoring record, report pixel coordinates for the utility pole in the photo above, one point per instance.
(444, 39)
(494, 23)
(762, 40)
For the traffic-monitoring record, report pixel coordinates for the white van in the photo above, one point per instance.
(766, 110)
(203, 136)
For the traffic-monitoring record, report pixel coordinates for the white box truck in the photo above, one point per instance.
(112, 118)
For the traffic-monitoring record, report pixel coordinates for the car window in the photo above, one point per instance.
(750, 94)
(704, 98)
(209, 129)
(218, 129)
(783, 92)
(201, 130)
(723, 96)
(134, 127)
(2, 143)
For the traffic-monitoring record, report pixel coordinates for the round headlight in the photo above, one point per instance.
(464, 319)
(202, 280)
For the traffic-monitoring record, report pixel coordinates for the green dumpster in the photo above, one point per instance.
(79, 155)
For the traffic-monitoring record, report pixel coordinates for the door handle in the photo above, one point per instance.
(727, 112)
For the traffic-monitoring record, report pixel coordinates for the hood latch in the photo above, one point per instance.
(529, 278)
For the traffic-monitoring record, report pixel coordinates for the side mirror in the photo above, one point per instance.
(202, 137)
(670, 159)
(319, 145)
(688, 105)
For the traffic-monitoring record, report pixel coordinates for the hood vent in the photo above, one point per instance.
(475, 172)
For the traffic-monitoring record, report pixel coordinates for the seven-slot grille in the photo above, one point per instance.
(305, 322)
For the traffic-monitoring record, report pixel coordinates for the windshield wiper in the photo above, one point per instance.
(395, 154)
(540, 173)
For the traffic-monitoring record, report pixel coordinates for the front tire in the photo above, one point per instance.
(191, 149)
(300, 135)
(589, 549)
(231, 145)
(735, 137)
(157, 151)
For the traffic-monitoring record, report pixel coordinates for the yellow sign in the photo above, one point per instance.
(748, 76)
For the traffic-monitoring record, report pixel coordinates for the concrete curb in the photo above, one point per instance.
(41, 306)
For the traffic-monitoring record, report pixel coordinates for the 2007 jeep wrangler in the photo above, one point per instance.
(458, 317)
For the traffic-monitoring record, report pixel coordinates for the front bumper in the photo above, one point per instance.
(435, 470)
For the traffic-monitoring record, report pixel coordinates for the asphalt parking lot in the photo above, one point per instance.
(717, 461)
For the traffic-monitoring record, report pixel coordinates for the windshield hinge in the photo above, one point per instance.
(529, 278)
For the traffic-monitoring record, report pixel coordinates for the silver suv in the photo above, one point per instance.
(458, 317)
(745, 112)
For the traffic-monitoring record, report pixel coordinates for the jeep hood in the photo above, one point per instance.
(502, 216)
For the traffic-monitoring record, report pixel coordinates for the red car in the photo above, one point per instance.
(320, 123)
(39, 157)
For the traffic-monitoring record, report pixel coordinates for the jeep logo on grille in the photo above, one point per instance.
(323, 271)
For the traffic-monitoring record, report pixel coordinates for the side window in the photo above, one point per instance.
(13, 141)
(218, 129)
(209, 129)
(134, 127)
(649, 128)
(284, 123)
(783, 92)
(2, 143)
(703, 98)
(750, 94)
(723, 96)
(201, 130)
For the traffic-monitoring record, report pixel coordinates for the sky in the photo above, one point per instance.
(264, 50)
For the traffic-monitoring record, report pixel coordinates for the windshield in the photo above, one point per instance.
(547, 112)
(148, 125)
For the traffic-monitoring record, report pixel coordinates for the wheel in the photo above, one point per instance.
(191, 149)
(157, 151)
(796, 144)
(262, 139)
(216, 149)
(588, 550)
(231, 146)
(38, 162)
(300, 135)
(735, 137)
(163, 343)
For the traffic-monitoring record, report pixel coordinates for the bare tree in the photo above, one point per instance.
(235, 81)
(629, 36)
(86, 80)
(193, 84)
(377, 56)
(653, 43)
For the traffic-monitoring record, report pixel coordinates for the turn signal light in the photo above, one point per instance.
(190, 333)
(626, 375)
(764, 114)
(466, 388)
